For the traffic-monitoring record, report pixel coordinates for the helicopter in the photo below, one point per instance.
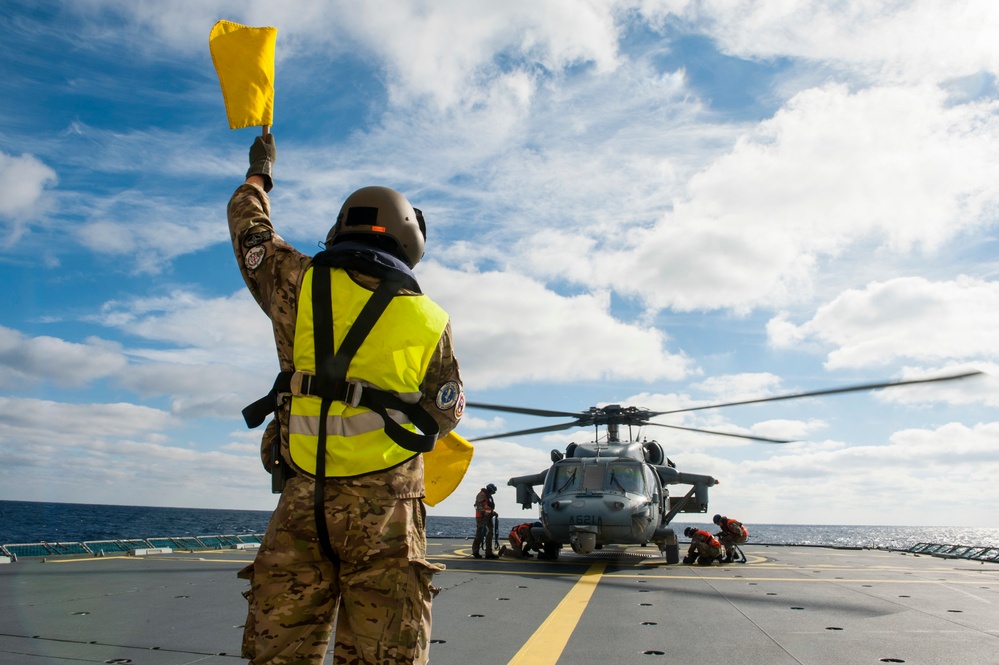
(614, 490)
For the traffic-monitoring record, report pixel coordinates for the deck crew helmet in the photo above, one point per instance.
(382, 217)
(689, 531)
(491, 488)
(716, 519)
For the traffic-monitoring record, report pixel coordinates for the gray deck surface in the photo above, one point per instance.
(787, 605)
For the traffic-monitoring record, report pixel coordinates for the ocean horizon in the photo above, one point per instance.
(52, 522)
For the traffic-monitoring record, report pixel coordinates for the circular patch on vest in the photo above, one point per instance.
(459, 408)
(447, 396)
(254, 257)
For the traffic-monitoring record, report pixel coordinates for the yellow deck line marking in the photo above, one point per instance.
(547, 643)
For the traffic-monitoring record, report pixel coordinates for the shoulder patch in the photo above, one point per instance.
(459, 408)
(254, 257)
(447, 396)
(256, 236)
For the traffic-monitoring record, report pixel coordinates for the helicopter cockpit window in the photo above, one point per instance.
(626, 478)
(567, 477)
(594, 478)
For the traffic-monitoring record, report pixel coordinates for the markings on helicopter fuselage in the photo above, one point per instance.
(548, 642)
(583, 520)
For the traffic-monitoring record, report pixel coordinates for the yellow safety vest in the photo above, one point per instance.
(393, 357)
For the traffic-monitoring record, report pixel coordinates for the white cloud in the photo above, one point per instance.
(954, 464)
(910, 40)
(121, 451)
(201, 330)
(24, 181)
(908, 319)
(511, 329)
(26, 361)
(830, 171)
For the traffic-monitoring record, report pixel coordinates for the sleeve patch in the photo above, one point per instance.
(254, 238)
(254, 257)
(448, 395)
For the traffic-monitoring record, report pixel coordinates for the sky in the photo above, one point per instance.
(652, 203)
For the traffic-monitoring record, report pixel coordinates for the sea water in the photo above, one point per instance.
(34, 522)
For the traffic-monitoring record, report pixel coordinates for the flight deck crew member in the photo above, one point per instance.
(485, 510)
(704, 548)
(733, 532)
(346, 437)
(522, 541)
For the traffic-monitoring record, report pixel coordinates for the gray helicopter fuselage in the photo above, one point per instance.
(602, 494)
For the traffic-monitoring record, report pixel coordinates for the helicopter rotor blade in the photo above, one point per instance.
(536, 430)
(523, 410)
(830, 391)
(761, 439)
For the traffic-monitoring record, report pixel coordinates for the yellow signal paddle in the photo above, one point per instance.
(244, 60)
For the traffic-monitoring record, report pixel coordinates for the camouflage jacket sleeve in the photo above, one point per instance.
(271, 268)
(443, 375)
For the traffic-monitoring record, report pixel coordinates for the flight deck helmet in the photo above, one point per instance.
(716, 519)
(491, 488)
(689, 531)
(384, 218)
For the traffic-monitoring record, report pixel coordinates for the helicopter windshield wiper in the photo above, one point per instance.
(568, 481)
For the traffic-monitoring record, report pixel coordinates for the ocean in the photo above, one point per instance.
(35, 522)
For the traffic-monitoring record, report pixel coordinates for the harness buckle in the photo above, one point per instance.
(352, 394)
(301, 383)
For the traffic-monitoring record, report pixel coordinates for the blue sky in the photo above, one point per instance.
(659, 204)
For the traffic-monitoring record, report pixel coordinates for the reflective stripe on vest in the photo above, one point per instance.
(393, 357)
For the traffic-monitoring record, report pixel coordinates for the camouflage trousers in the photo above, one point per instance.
(705, 553)
(729, 541)
(377, 594)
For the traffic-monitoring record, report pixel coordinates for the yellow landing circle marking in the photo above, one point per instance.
(548, 642)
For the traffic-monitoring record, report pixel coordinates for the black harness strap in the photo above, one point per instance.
(331, 370)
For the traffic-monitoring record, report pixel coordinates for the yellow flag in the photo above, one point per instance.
(445, 466)
(244, 60)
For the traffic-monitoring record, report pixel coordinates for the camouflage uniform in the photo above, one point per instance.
(704, 547)
(522, 540)
(378, 593)
(731, 534)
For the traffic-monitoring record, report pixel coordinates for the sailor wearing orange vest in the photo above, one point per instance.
(522, 541)
(733, 532)
(704, 548)
(368, 381)
(485, 511)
